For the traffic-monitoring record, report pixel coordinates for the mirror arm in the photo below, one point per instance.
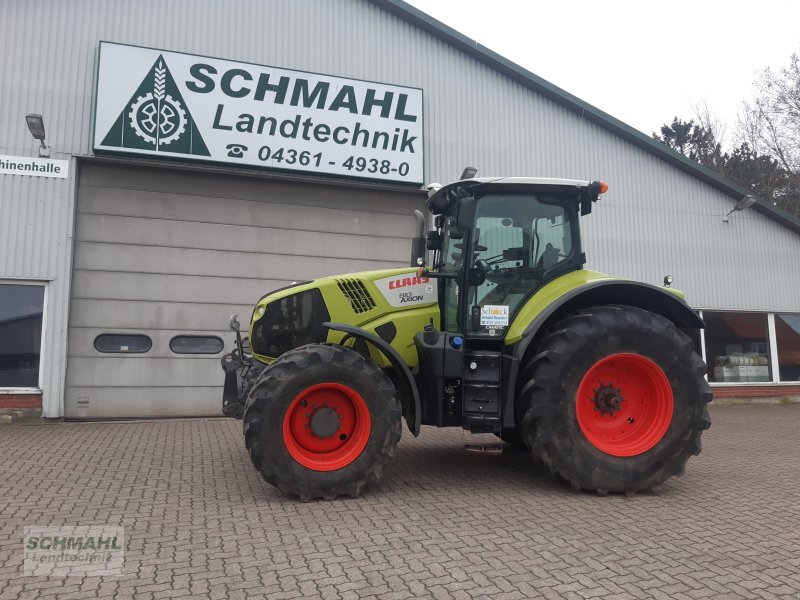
(422, 272)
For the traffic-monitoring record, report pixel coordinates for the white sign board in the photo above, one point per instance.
(34, 167)
(181, 106)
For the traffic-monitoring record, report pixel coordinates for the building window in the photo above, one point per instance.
(787, 335)
(21, 310)
(737, 347)
(122, 342)
(196, 344)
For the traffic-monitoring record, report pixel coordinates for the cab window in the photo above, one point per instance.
(516, 240)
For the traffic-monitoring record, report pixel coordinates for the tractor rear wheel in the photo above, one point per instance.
(322, 421)
(614, 400)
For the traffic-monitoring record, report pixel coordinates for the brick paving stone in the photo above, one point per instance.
(444, 523)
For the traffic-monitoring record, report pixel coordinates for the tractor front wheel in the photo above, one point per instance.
(614, 400)
(322, 421)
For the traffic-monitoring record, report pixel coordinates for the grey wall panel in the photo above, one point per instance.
(223, 209)
(94, 256)
(240, 238)
(36, 220)
(111, 402)
(131, 370)
(199, 317)
(108, 285)
(207, 191)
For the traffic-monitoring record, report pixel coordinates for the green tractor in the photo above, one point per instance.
(505, 332)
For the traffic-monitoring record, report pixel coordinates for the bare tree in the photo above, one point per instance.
(710, 121)
(765, 157)
(769, 125)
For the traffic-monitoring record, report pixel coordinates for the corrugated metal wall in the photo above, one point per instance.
(36, 244)
(654, 220)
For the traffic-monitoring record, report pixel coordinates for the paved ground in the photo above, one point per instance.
(444, 523)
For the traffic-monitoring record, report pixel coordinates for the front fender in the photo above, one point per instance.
(412, 409)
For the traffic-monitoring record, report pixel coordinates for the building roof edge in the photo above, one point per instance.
(468, 46)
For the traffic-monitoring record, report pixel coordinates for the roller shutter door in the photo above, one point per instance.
(162, 253)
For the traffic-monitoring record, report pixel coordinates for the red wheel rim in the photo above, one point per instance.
(624, 404)
(314, 438)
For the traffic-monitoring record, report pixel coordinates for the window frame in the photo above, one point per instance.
(121, 352)
(569, 213)
(773, 333)
(772, 340)
(194, 335)
(44, 283)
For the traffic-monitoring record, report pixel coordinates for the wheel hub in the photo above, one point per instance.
(608, 399)
(324, 422)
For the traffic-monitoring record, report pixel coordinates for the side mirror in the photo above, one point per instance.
(234, 324)
(433, 241)
(466, 212)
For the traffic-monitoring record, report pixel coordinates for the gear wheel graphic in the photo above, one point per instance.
(151, 122)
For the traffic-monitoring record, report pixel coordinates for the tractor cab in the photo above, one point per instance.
(496, 242)
(501, 240)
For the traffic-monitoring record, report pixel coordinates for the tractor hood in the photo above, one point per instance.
(293, 316)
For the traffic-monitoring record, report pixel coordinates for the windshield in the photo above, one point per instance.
(517, 239)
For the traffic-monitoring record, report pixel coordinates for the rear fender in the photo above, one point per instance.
(596, 293)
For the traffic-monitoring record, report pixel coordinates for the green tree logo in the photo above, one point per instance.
(156, 118)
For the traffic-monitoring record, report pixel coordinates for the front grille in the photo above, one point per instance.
(357, 294)
(291, 322)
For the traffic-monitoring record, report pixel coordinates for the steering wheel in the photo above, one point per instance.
(502, 274)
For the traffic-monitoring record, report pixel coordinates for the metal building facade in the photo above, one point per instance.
(656, 218)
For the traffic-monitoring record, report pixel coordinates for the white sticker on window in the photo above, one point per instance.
(494, 316)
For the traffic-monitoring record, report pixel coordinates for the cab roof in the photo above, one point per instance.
(440, 197)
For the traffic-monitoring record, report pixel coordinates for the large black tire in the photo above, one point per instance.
(285, 381)
(552, 377)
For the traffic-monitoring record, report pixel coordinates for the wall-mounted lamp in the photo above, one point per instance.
(36, 127)
(742, 204)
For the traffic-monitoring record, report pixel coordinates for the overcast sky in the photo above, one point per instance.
(643, 62)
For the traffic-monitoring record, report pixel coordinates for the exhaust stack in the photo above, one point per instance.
(418, 242)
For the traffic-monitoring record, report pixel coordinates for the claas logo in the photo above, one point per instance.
(396, 284)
